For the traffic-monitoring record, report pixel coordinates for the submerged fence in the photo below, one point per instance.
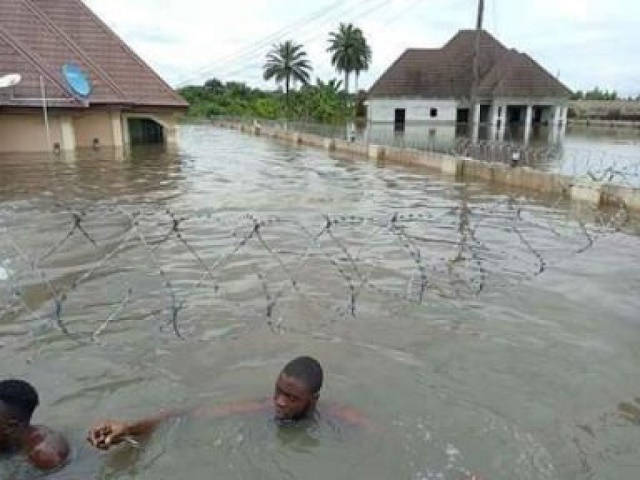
(118, 263)
(589, 165)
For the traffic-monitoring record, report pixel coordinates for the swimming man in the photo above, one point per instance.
(295, 398)
(44, 448)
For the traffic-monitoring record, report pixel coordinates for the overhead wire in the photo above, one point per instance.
(304, 39)
(273, 35)
(315, 20)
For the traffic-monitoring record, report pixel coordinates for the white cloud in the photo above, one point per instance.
(197, 39)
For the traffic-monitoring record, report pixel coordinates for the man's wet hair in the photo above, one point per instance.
(20, 398)
(306, 369)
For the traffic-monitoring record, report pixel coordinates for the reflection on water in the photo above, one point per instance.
(72, 175)
(577, 152)
(519, 360)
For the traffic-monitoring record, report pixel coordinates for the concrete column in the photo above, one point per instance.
(502, 122)
(116, 128)
(553, 134)
(475, 123)
(67, 134)
(494, 122)
(555, 121)
(563, 117)
(124, 125)
(528, 123)
(171, 134)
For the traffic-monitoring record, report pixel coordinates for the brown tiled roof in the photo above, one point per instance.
(448, 72)
(37, 37)
(14, 57)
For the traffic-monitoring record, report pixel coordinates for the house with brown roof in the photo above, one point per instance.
(72, 83)
(439, 86)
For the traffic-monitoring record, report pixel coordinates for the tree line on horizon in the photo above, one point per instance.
(288, 64)
(296, 97)
(598, 93)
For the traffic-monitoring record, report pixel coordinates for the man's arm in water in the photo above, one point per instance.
(45, 448)
(105, 434)
(349, 415)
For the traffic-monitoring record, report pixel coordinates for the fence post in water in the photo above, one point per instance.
(587, 192)
(329, 144)
(617, 194)
(376, 152)
(452, 166)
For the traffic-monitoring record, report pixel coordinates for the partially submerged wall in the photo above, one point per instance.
(462, 167)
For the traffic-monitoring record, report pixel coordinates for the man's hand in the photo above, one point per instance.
(105, 434)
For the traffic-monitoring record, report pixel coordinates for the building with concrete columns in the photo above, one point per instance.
(111, 97)
(437, 86)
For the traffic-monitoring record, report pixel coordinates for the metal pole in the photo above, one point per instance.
(476, 67)
(45, 112)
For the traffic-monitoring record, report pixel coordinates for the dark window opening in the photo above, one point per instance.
(144, 131)
(485, 111)
(515, 114)
(462, 115)
(433, 113)
(400, 118)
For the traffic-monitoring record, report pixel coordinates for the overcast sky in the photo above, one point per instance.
(586, 42)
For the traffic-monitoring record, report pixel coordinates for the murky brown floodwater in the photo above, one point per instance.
(478, 331)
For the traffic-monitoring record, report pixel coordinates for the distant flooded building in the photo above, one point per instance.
(435, 86)
(76, 84)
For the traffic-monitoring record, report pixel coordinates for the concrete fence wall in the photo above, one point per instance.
(461, 168)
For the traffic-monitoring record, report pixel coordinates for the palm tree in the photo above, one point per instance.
(350, 51)
(365, 59)
(287, 61)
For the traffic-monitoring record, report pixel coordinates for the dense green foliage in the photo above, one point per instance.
(595, 94)
(322, 102)
(287, 64)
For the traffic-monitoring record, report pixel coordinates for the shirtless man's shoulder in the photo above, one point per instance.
(45, 448)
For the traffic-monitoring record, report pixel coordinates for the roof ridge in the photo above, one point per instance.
(35, 60)
(74, 46)
(126, 47)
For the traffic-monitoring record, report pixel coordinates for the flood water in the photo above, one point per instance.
(477, 330)
(601, 154)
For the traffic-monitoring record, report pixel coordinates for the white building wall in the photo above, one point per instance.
(382, 110)
(426, 136)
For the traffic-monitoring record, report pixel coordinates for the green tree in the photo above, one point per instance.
(287, 61)
(579, 95)
(364, 62)
(320, 102)
(349, 51)
(214, 85)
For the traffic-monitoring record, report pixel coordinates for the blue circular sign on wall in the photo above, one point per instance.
(76, 79)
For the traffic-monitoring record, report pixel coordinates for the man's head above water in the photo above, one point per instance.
(297, 389)
(18, 400)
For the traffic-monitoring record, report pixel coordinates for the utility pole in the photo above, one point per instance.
(476, 70)
(476, 53)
